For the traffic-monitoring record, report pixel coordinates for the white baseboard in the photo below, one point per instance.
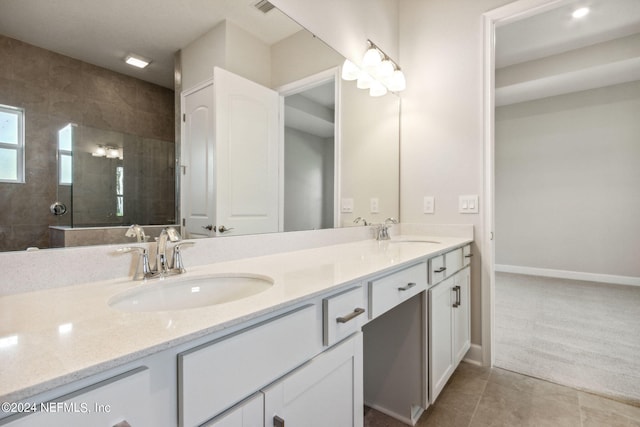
(474, 355)
(574, 275)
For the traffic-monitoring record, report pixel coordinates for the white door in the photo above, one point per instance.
(327, 391)
(247, 136)
(197, 189)
(441, 367)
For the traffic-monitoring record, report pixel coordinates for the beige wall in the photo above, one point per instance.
(567, 180)
(442, 140)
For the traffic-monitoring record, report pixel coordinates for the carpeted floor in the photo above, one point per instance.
(580, 334)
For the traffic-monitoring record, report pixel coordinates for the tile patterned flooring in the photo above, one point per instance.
(481, 397)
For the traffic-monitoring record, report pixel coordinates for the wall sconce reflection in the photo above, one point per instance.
(108, 152)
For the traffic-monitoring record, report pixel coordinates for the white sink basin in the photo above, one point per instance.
(176, 293)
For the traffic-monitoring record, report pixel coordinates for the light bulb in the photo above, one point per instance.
(99, 152)
(350, 71)
(364, 81)
(371, 59)
(113, 153)
(377, 89)
(385, 69)
(580, 13)
(398, 83)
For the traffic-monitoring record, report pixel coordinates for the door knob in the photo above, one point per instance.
(209, 227)
(223, 229)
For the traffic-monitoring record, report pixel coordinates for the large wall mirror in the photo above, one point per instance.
(121, 128)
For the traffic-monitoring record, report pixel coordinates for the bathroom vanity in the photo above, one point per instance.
(382, 323)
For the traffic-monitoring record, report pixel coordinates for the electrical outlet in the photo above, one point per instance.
(428, 205)
(374, 205)
(468, 204)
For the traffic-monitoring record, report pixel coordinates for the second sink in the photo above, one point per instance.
(183, 293)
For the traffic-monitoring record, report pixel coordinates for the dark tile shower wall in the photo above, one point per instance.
(55, 90)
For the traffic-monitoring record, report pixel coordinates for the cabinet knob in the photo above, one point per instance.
(277, 421)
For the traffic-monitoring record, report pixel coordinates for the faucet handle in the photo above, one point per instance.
(390, 220)
(364, 221)
(178, 265)
(143, 259)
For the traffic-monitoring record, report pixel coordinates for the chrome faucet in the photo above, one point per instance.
(162, 267)
(364, 221)
(167, 234)
(136, 231)
(382, 230)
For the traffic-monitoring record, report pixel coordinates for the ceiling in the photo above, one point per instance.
(552, 53)
(104, 32)
(555, 31)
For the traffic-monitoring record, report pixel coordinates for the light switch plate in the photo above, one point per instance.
(468, 204)
(346, 206)
(428, 205)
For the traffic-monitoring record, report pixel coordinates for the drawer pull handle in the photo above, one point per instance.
(277, 421)
(406, 288)
(468, 256)
(440, 270)
(122, 423)
(357, 312)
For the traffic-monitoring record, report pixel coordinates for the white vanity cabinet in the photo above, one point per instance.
(118, 402)
(217, 375)
(449, 328)
(327, 391)
(248, 413)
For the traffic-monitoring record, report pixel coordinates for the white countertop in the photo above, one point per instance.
(52, 337)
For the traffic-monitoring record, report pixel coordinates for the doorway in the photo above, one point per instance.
(560, 139)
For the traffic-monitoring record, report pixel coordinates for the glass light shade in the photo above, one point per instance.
(377, 89)
(580, 13)
(364, 81)
(385, 69)
(113, 153)
(99, 152)
(350, 71)
(372, 58)
(397, 83)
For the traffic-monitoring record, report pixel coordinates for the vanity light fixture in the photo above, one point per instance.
(379, 73)
(137, 61)
(580, 13)
(108, 151)
(99, 152)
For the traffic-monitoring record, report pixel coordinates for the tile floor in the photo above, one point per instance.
(480, 397)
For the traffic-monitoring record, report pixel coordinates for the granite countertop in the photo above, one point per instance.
(52, 337)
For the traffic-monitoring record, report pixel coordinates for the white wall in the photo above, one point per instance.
(568, 182)
(306, 158)
(441, 126)
(346, 25)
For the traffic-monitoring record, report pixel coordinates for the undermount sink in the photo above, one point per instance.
(174, 293)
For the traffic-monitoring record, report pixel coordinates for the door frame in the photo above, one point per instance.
(298, 86)
(509, 13)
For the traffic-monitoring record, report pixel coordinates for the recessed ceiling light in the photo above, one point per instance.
(137, 61)
(580, 13)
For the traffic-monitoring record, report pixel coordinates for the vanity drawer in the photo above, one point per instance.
(343, 314)
(243, 363)
(437, 270)
(466, 255)
(389, 291)
(107, 403)
(453, 261)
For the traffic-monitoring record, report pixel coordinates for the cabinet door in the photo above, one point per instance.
(249, 413)
(125, 398)
(327, 391)
(441, 299)
(461, 316)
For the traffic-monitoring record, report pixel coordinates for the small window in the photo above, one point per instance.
(11, 144)
(65, 154)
